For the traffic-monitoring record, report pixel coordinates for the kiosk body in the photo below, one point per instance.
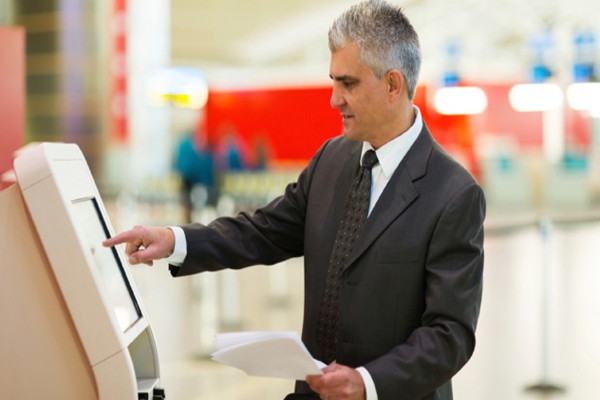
(95, 285)
(41, 356)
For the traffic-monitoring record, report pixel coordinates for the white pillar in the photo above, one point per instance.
(554, 134)
(148, 49)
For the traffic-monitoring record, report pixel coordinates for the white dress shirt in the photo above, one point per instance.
(390, 155)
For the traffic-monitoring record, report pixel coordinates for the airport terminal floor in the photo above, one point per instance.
(538, 324)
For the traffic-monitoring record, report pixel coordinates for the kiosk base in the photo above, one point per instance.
(42, 356)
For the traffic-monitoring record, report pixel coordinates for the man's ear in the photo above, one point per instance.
(395, 82)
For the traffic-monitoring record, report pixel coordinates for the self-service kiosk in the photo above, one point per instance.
(73, 324)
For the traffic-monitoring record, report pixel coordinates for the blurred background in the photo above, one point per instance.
(191, 109)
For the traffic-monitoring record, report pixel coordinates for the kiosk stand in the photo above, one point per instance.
(73, 325)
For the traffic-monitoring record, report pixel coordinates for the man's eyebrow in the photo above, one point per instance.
(343, 78)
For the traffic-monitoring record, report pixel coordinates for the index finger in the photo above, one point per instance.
(123, 237)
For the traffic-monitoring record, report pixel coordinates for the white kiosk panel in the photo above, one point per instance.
(101, 296)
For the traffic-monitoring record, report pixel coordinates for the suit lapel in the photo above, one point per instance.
(399, 193)
(343, 183)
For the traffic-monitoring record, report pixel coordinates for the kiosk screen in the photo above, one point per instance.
(116, 283)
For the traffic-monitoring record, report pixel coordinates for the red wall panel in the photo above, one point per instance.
(12, 93)
(293, 122)
(296, 121)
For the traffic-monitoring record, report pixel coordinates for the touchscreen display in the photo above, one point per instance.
(116, 284)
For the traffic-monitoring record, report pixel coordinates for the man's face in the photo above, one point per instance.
(362, 98)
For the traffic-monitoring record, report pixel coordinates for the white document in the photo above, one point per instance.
(268, 354)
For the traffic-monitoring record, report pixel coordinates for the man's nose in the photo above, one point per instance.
(337, 100)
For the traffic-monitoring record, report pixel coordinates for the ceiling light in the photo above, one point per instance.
(460, 100)
(178, 87)
(584, 95)
(536, 97)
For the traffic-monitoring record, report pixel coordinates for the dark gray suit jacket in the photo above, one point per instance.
(411, 290)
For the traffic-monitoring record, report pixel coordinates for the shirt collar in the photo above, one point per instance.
(392, 153)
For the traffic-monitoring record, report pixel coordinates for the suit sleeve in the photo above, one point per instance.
(445, 340)
(271, 234)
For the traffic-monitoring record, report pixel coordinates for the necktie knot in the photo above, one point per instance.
(369, 159)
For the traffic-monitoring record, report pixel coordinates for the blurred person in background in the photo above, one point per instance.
(407, 293)
(231, 152)
(262, 152)
(194, 163)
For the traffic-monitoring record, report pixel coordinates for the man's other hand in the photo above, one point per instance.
(338, 382)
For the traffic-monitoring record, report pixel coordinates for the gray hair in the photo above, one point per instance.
(385, 36)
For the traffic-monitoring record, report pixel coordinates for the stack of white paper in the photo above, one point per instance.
(269, 354)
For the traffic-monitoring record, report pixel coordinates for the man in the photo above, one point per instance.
(407, 295)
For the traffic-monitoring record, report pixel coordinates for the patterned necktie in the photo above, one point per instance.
(353, 219)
